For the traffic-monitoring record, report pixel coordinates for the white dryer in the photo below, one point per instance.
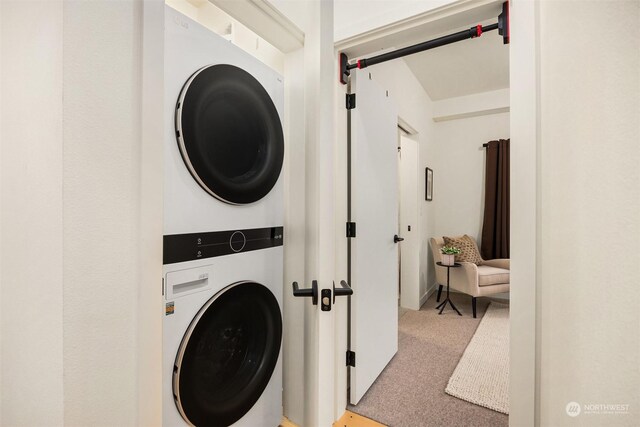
(222, 246)
(224, 143)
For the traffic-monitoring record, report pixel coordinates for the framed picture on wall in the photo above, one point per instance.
(429, 185)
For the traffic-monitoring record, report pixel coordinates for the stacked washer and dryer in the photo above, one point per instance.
(223, 216)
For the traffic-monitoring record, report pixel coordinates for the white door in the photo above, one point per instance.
(373, 253)
(410, 250)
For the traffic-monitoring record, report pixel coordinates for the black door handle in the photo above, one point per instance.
(309, 293)
(397, 239)
(344, 290)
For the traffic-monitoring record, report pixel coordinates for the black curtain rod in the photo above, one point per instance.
(485, 145)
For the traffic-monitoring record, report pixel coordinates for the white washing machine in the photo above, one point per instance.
(222, 249)
(222, 363)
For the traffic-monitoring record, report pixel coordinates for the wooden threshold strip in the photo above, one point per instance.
(286, 423)
(351, 419)
(348, 419)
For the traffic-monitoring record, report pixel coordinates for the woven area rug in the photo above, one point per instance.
(482, 375)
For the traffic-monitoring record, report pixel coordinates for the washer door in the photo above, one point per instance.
(229, 134)
(227, 355)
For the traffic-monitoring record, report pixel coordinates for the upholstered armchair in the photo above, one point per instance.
(492, 277)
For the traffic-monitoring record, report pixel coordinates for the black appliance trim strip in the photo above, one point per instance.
(194, 246)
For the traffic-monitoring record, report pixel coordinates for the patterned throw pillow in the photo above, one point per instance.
(468, 247)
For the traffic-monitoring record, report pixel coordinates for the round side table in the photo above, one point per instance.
(443, 304)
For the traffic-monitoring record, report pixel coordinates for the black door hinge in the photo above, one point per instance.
(351, 101)
(351, 358)
(351, 229)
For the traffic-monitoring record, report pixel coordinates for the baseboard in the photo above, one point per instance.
(426, 295)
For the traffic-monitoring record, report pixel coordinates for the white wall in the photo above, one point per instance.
(294, 243)
(523, 352)
(353, 17)
(477, 104)
(589, 199)
(101, 115)
(31, 326)
(1, 197)
(71, 173)
(459, 172)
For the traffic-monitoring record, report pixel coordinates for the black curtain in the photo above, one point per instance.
(495, 228)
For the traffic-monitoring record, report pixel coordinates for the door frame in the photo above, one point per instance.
(411, 298)
(524, 391)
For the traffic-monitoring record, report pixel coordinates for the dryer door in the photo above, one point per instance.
(227, 356)
(229, 134)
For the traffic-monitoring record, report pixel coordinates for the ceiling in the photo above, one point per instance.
(463, 68)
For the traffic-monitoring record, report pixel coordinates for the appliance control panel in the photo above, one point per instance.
(193, 246)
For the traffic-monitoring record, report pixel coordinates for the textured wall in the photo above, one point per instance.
(294, 245)
(71, 165)
(459, 172)
(102, 72)
(353, 17)
(589, 201)
(31, 215)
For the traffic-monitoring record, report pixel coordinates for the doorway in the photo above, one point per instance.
(447, 109)
(408, 227)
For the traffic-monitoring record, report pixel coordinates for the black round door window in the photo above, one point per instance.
(229, 134)
(228, 355)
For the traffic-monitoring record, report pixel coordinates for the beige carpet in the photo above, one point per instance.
(482, 375)
(410, 391)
